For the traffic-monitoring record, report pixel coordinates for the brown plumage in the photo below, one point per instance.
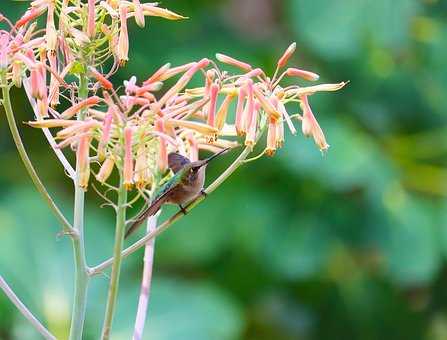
(186, 184)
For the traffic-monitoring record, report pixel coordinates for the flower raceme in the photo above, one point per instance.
(133, 132)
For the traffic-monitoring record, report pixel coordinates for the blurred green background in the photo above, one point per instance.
(351, 245)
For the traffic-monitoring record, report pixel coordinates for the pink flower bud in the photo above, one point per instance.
(287, 55)
(310, 125)
(83, 161)
(295, 72)
(91, 25)
(158, 74)
(38, 86)
(233, 62)
(105, 136)
(249, 107)
(106, 170)
(128, 159)
(70, 112)
(123, 40)
(29, 15)
(240, 129)
(50, 34)
(139, 15)
(252, 127)
(17, 68)
(214, 90)
(266, 105)
(54, 83)
(193, 147)
(42, 106)
(271, 138)
(4, 49)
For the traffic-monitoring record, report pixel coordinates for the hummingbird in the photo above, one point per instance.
(186, 184)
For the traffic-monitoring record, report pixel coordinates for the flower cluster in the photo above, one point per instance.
(135, 130)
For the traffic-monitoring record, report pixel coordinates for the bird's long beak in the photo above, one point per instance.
(204, 162)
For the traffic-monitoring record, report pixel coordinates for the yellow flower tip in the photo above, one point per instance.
(128, 185)
(270, 152)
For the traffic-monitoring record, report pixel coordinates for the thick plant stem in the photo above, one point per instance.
(25, 159)
(146, 281)
(165, 225)
(81, 268)
(116, 268)
(25, 311)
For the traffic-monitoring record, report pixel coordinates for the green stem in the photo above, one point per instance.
(25, 311)
(24, 156)
(116, 268)
(81, 268)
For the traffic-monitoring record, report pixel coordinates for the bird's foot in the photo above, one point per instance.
(182, 209)
(203, 193)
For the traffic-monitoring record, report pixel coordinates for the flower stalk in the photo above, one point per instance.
(25, 311)
(117, 258)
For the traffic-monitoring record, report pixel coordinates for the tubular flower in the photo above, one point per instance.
(123, 40)
(83, 161)
(128, 159)
(310, 126)
(133, 130)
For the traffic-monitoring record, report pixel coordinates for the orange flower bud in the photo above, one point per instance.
(295, 72)
(105, 83)
(70, 112)
(233, 62)
(286, 56)
(158, 74)
(29, 15)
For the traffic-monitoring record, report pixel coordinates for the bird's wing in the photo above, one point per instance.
(176, 162)
(161, 196)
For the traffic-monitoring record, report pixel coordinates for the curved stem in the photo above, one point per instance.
(165, 225)
(81, 268)
(25, 311)
(24, 156)
(116, 268)
(59, 154)
(145, 281)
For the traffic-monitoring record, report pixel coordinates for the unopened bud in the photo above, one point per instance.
(287, 55)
